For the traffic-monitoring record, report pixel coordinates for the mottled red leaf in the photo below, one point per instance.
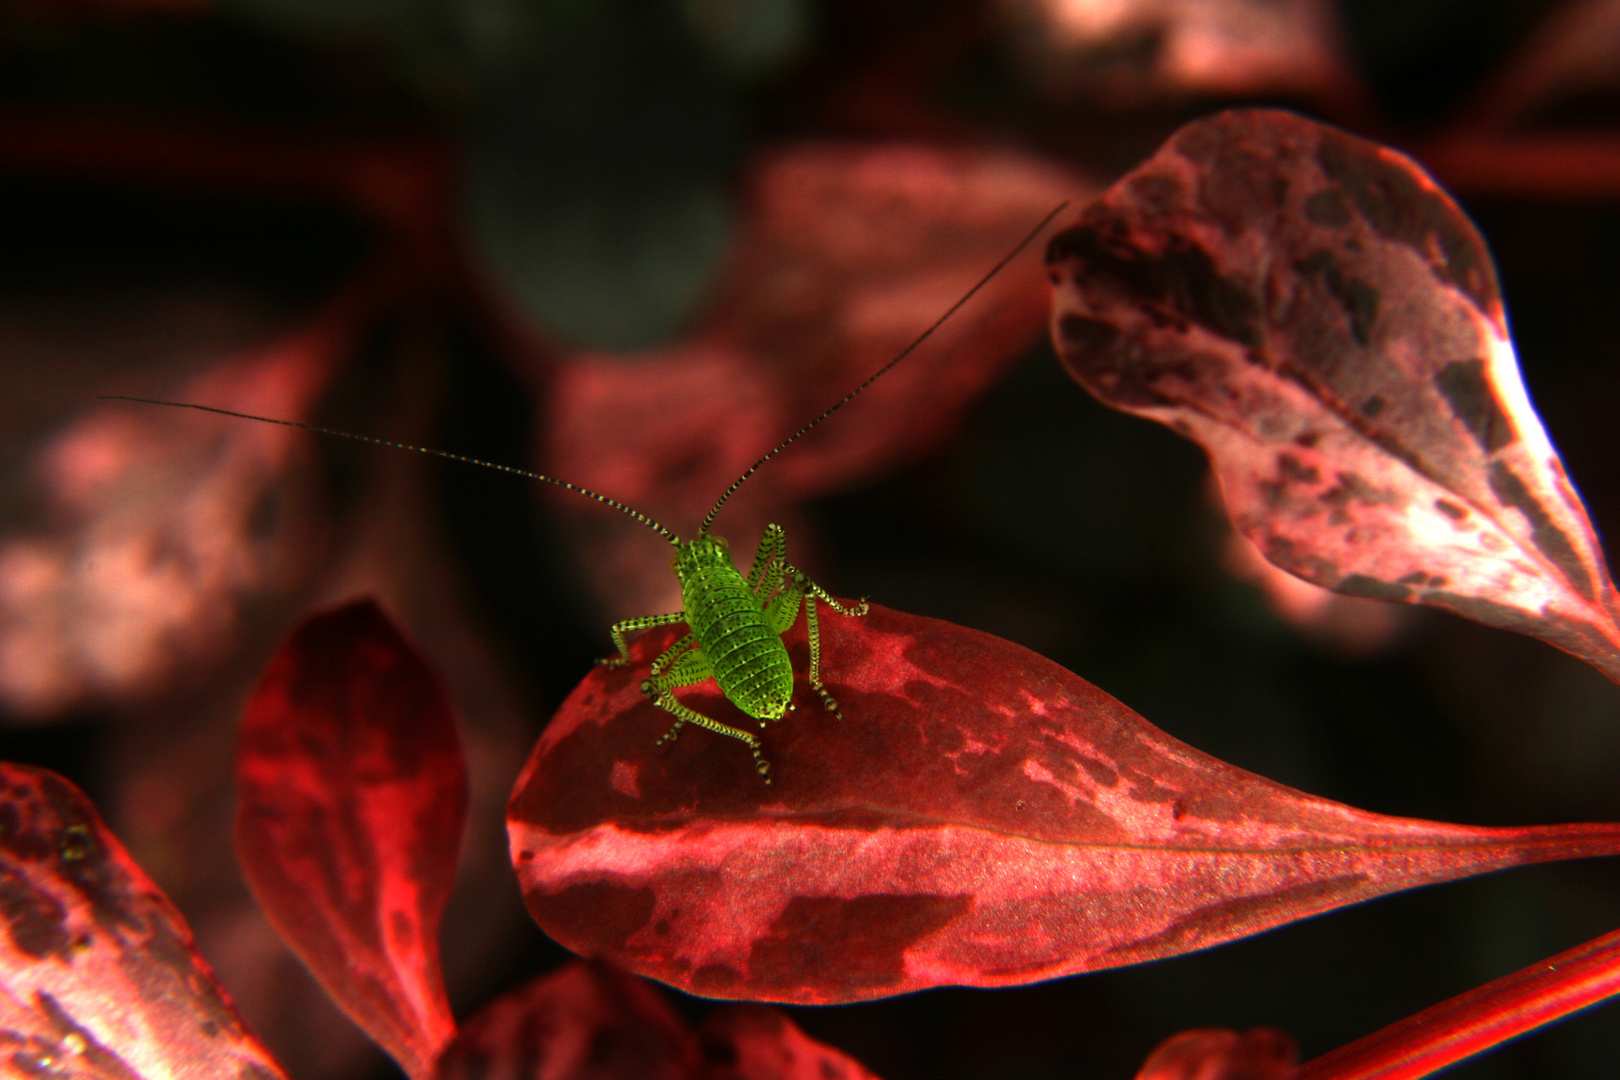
(581, 1022)
(1325, 321)
(99, 977)
(754, 1042)
(1223, 1054)
(847, 253)
(353, 795)
(980, 816)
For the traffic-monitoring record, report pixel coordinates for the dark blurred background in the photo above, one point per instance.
(541, 232)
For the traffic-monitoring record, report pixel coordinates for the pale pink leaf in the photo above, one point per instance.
(99, 976)
(1314, 311)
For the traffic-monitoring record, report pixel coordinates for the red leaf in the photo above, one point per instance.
(753, 1042)
(581, 1022)
(1325, 321)
(99, 976)
(1223, 1054)
(980, 817)
(353, 796)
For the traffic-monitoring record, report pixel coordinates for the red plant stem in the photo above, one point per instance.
(1487, 1016)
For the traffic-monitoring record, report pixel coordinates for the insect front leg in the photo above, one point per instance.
(630, 626)
(688, 669)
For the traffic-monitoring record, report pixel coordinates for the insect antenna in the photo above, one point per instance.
(587, 492)
(703, 530)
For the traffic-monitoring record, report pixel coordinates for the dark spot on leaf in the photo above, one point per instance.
(1307, 439)
(1240, 917)
(35, 920)
(1416, 577)
(831, 1071)
(1393, 199)
(1450, 509)
(1358, 299)
(32, 1065)
(1327, 208)
(1549, 539)
(1287, 554)
(1372, 406)
(75, 844)
(1084, 333)
(715, 978)
(858, 944)
(1372, 588)
(1180, 281)
(1468, 392)
(1352, 488)
(594, 915)
(95, 1058)
(1290, 467)
(1157, 193)
(1099, 772)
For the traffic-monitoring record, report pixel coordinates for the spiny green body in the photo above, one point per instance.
(745, 651)
(736, 626)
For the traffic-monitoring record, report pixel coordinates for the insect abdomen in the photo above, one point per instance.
(748, 658)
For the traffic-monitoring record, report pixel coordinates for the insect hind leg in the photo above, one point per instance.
(689, 668)
(811, 593)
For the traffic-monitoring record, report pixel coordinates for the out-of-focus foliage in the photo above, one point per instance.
(186, 186)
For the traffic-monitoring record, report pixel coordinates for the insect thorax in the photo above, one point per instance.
(748, 658)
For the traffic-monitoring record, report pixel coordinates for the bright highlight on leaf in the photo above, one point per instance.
(980, 817)
(353, 797)
(99, 976)
(1314, 311)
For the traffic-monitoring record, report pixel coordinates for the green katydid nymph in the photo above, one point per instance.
(735, 623)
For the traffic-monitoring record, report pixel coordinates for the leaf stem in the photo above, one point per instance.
(1487, 1016)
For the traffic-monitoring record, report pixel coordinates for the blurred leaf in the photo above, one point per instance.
(753, 1042)
(846, 254)
(752, 37)
(1165, 50)
(581, 1022)
(1314, 311)
(353, 798)
(163, 526)
(1223, 1054)
(597, 178)
(980, 817)
(99, 976)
